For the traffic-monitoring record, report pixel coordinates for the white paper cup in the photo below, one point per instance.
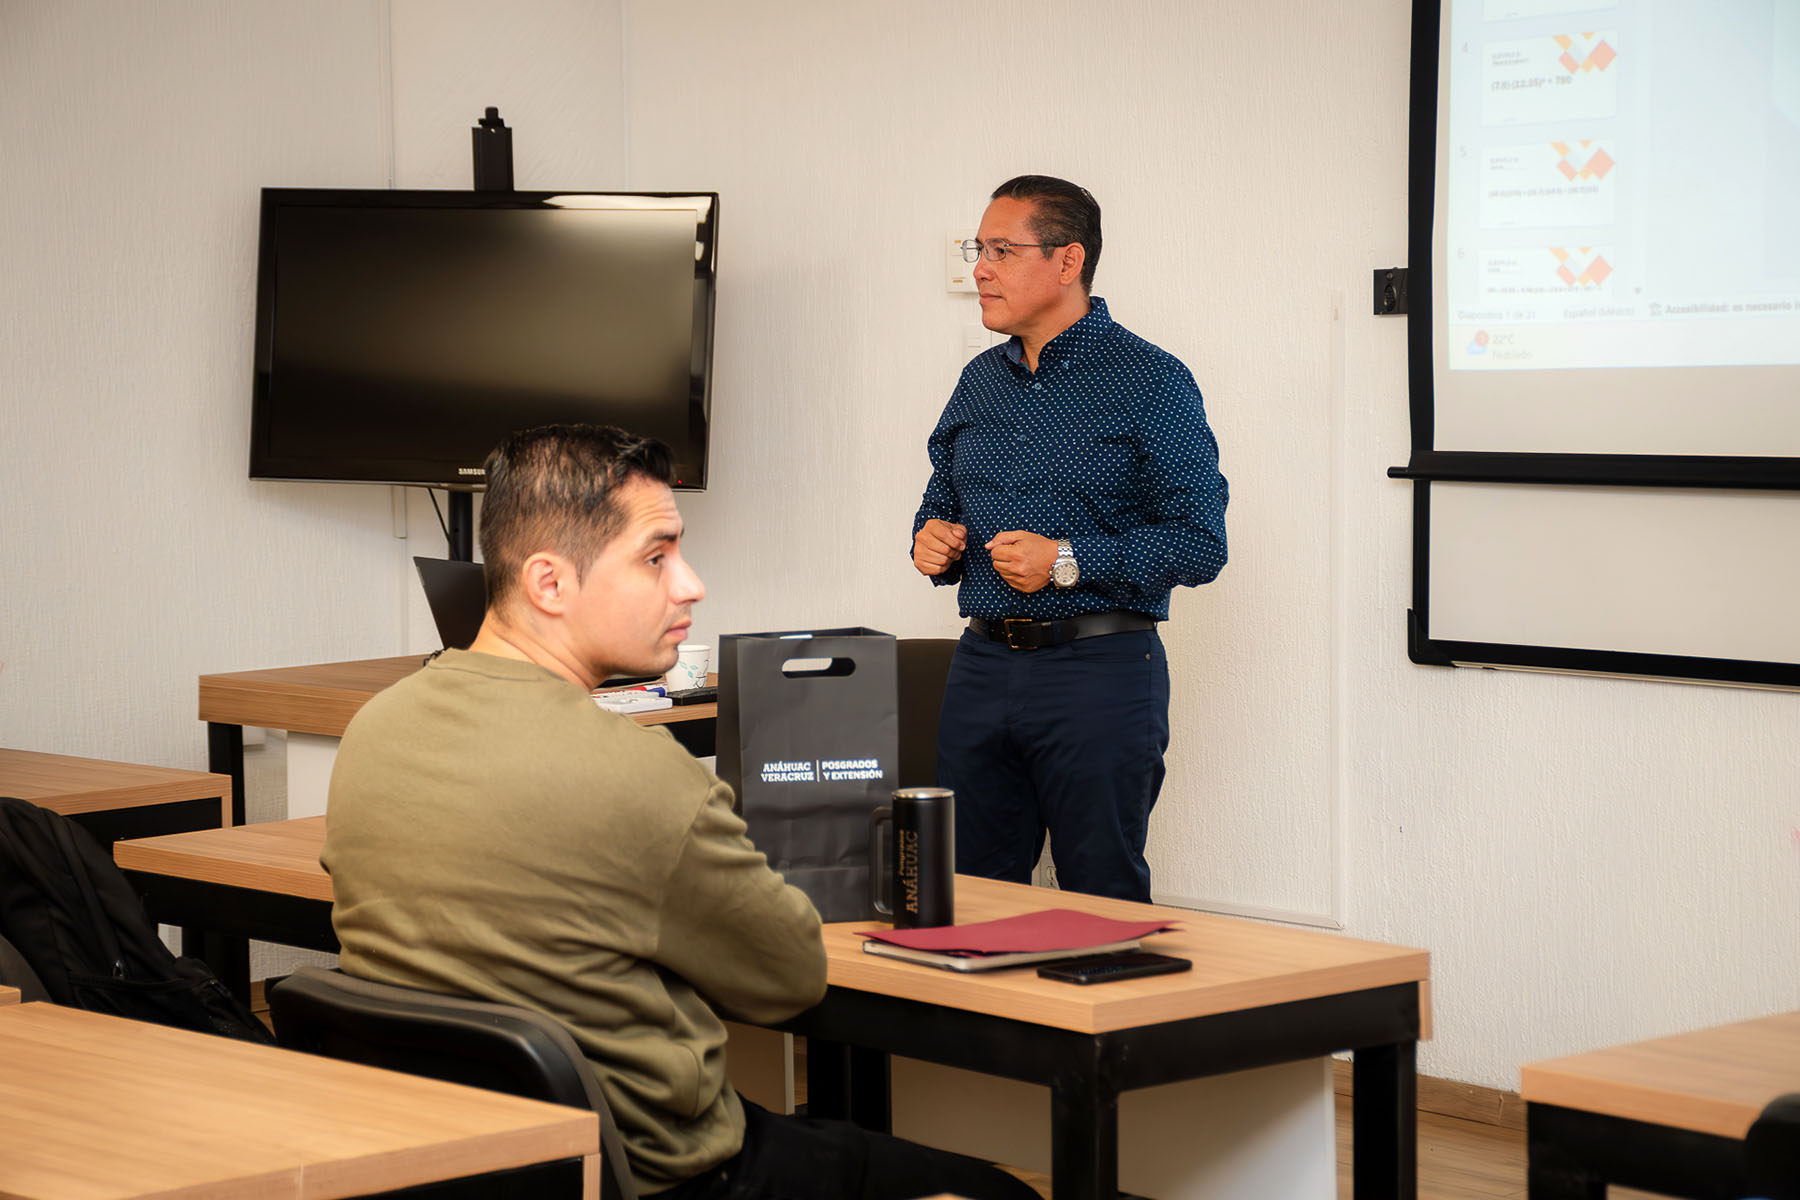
(690, 666)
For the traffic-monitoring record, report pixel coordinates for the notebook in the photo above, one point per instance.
(951, 960)
(1015, 941)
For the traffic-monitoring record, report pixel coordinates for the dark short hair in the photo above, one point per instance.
(1065, 214)
(556, 488)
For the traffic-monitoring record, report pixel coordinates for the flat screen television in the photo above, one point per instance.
(401, 334)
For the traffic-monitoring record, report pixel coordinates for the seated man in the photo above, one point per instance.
(492, 833)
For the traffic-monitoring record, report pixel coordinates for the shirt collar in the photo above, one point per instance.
(1071, 342)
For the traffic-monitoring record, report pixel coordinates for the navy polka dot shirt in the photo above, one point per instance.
(1106, 445)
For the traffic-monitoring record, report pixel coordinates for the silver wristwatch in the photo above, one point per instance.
(1065, 572)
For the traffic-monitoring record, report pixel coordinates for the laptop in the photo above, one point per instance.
(457, 594)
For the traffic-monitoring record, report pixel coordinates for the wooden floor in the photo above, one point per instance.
(1458, 1160)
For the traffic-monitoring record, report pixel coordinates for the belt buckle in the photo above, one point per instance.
(1007, 624)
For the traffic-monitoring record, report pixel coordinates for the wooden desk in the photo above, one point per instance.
(1668, 1115)
(114, 800)
(1258, 995)
(321, 699)
(278, 857)
(1238, 965)
(8, 995)
(227, 886)
(94, 1107)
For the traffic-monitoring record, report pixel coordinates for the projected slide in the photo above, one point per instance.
(1620, 185)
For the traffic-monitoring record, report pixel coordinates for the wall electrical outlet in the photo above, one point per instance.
(1390, 292)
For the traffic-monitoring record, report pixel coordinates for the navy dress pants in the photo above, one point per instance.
(1067, 740)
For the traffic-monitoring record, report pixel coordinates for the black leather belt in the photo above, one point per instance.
(1023, 633)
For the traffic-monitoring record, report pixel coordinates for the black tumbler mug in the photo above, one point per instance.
(913, 867)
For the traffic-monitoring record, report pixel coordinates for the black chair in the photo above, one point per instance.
(1772, 1150)
(922, 665)
(458, 1040)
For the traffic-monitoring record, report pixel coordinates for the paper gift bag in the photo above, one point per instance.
(809, 741)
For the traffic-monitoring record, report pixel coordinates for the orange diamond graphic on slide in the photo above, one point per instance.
(1562, 271)
(1584, 267)
(1598, 163)
(1583, 54)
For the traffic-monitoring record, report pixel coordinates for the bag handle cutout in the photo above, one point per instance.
(818, 668)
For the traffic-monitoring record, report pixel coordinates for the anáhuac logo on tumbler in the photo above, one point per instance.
(831, 770)
(909, 868)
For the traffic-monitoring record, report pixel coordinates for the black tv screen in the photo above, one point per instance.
(401, 334)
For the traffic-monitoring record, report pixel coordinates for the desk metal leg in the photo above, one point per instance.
(1084, 1131)
(228, 956)
(848, 1083)
(1385, 1122)
(871, 1090)
(1572, 1154)
(225, 756)
(827, 1079)
(1557, 1183)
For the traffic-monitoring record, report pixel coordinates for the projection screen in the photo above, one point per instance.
(1606, 354)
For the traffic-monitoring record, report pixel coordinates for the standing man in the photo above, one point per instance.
(493, 833)
(1074, 482)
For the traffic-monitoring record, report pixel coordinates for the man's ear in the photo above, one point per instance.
(1074, 258)
(546, 583)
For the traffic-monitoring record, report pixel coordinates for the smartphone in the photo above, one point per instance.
(1104, 968)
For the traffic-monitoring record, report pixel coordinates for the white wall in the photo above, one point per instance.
(134, 138)
(1588, 860)
(838, 344)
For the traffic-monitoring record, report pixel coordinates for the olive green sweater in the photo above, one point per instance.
(492, 833)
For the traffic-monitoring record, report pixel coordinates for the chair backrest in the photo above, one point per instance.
(452, 1038)
(1772, 1150)
(922, 665)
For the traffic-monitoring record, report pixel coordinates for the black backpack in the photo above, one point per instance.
(69, 912)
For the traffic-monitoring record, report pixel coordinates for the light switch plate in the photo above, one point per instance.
(958, 275)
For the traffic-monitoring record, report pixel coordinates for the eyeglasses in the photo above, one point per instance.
(996, 251)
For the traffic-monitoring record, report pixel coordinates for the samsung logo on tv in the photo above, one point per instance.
(471, 471)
